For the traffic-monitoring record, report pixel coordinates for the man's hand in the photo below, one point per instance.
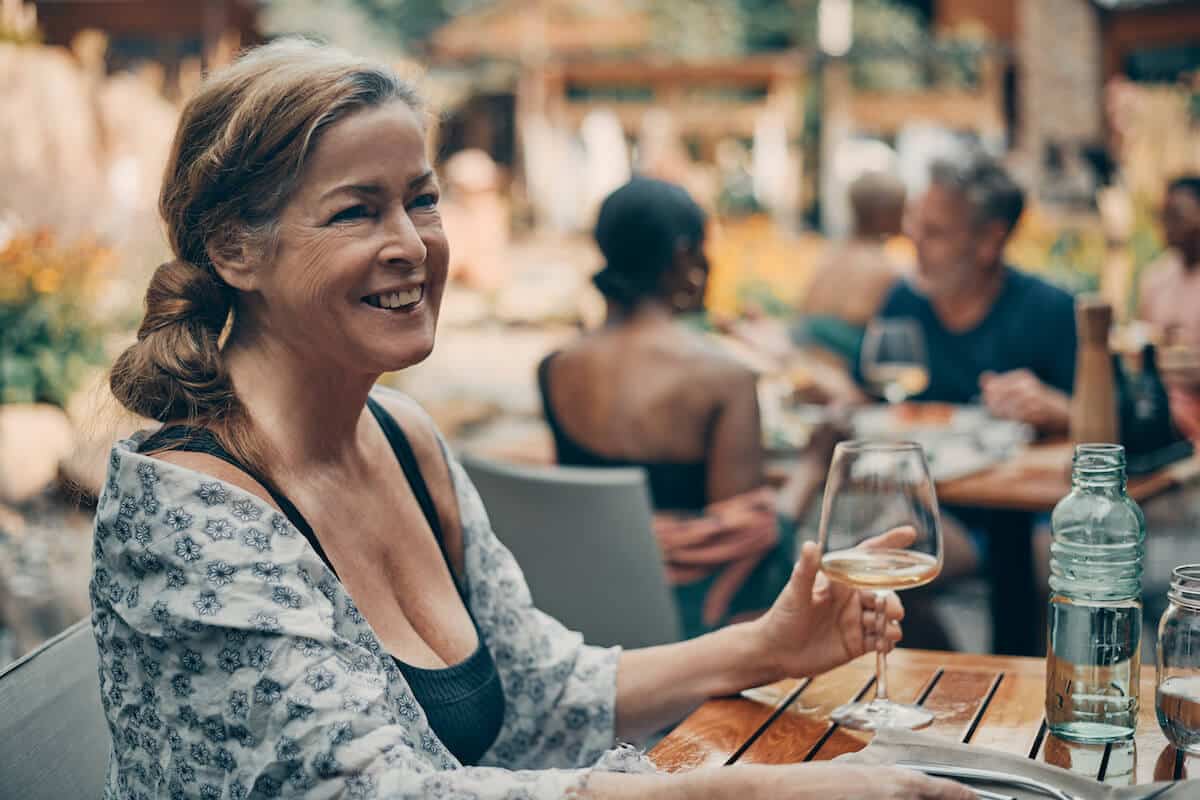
(1019, 395)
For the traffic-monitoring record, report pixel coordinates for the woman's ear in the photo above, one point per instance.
(233, 260)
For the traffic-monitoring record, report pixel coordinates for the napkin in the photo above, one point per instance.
(889, 746)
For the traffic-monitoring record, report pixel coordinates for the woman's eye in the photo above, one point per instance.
(425, 201)
(352, 213)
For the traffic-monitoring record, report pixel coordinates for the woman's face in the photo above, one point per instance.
(361, 258)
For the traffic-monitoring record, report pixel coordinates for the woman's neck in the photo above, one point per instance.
(647, 311)
(309, 414)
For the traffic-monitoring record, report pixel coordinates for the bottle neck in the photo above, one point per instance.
(1099, 468)
(1111, 481)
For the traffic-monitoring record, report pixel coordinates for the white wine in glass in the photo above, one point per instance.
(894, 362)
(880, 532)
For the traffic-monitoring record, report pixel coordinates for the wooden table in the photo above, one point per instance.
(990, 701)
(1036, 478)
(1033, 480)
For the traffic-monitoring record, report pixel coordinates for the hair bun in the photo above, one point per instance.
(181, 292)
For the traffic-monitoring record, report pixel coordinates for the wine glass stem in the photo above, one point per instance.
(881, 687)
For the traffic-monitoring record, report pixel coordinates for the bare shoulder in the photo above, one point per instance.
(417, 424)
(422, 435)
(216, 468)
(722, 370)
(420, 430)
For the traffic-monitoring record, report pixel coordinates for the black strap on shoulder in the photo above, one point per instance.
(408, 463)
(202, 440)
(543, 375)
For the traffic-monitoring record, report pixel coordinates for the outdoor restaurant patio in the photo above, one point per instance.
(911, 256)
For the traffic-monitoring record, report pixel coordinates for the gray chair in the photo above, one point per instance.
(585, 541)
(54, 739)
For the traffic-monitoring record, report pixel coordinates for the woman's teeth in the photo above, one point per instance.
(396, 299)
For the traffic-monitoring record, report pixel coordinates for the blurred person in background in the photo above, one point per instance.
(1170, 302)
(296, 591)
(647, 391)
(853, 277)
(992, 332)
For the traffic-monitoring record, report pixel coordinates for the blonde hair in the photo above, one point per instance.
(237, 157)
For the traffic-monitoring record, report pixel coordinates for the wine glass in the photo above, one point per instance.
(894, 362)
(875, 488)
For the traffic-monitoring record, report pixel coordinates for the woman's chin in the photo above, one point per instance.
(396, 359)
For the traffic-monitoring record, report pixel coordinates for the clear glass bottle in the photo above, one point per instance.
(1177, 699)
(1093, 659)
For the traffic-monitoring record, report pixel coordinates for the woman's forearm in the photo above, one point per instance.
(658, 686)
(704, 784)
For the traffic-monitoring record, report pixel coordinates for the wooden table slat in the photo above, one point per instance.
(794, 735)
(955, 686)
(719, 729)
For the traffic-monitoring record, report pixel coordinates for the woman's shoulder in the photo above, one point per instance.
(416, 423)
(428, 445)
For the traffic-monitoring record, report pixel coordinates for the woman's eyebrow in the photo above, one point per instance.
(375, 188)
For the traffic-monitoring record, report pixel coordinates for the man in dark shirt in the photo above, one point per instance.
(992, 333)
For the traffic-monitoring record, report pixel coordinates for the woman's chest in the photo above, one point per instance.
(387, 556)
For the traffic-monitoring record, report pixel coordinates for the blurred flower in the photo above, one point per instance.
(47, 280)
(48, 332)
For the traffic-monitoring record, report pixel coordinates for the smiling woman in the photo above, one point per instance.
(296, 591)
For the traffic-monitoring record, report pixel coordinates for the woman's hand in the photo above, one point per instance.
(831, 780)
(816, 624)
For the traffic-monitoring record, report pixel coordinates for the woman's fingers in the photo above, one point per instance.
(923, 787)
(895, 539)
(894, 630)
(895, 608)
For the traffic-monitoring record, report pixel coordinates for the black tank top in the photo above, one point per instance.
(464, 703)
(674, 486)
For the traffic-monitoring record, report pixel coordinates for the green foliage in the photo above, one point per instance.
(46, 347)
(48, 333)
(412, 22)
(769, 24)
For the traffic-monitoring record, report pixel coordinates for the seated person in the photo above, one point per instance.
(295, 588)
(992, 332)
(1170, 302)
(853, 277)
(647, 391)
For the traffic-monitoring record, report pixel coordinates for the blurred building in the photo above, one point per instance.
(1065, 52)
(165, 32)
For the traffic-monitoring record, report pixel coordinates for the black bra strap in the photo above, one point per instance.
(201, 440)
(543, 375)
(412, 471)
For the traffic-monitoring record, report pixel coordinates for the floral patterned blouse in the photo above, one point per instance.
(233, 664)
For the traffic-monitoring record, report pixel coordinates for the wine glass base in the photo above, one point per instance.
(879, 714)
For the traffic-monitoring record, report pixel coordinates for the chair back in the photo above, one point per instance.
(585, 541)
(54, 738)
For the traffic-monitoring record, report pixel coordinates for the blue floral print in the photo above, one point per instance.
(233, 664)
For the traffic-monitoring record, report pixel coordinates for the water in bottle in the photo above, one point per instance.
(1095, 616)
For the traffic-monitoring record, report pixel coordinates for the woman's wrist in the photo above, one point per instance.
(747, 658)
(722, 783)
